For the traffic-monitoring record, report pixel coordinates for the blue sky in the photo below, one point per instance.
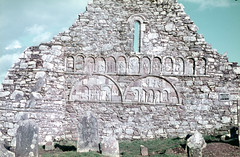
(25, 23)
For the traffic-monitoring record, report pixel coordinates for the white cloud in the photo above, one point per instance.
(211, 3)
(35, 29)
(14, 45)
(43, 37)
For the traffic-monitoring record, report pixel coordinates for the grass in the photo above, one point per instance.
(156, 148)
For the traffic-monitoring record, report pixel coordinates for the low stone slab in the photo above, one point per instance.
(88, 138)
(143, 150)
(195, 145)
(4, 152)
(27, 139)
(110, 147)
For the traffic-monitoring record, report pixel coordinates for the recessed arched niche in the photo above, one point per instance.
(190, 68)
(201, 66)
(101, 65)
(111, 65)
(179, 66)
(168, 65)
(79, 63)
(156, 66)
(146, 65)
(133, 66)
(70, 64)
(90, 65)
(121, 65)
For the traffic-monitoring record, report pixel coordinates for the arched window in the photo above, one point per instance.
(137, 36)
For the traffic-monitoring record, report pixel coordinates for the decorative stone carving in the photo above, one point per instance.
(168, 65)
(146, 65)
(95, 88)
(90, 65)
(157, 66)
(88, 138)
(101, 65)
(70, 64)
(190, 68)
(133, 67)
(179, 66)
(111, 65)
(79, 64)
(27, 139)
(152, 89)
(121, 65)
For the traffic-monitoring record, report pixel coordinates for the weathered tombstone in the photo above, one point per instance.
(4, 152)
(143, 150)
(110, 147)
(88, 138)
(49, 146)
(27, 139)
(195, 145)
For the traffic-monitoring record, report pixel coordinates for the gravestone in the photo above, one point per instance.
(110, 147)
(143, 150)
(27, 139)
(4, 152)
(195, 145)
(88, 138)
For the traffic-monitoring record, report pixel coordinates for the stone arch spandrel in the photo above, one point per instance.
(100, 88)
(150, 84)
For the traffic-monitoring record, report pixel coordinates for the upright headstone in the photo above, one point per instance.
(110, 147)
(195, 145)
(143, 150)
(4, 152)
(88, 138)
(27, 139)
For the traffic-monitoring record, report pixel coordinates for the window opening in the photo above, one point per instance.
(137, 36)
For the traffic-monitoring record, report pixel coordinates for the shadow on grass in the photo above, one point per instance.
(65, 148)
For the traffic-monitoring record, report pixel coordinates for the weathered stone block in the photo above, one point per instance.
(110, 147)
(195, 145)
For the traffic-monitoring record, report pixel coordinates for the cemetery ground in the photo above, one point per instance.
(171, 147)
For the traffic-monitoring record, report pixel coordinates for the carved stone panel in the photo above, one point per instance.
(95, 88)
(179, 66)
(90, 65)
(101, 65)
(133, 67)
(157, 66)
(151, 90)
(121, 65)
(146, 65)
(168, 65)
(79, 64)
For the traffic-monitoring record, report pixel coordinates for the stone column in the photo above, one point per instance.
(195, 145)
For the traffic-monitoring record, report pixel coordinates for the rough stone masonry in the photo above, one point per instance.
(138, 66)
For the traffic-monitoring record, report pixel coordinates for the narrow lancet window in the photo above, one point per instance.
(137, 36)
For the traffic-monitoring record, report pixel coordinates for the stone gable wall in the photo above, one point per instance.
(171, 87)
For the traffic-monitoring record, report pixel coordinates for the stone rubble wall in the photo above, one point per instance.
(92, 68)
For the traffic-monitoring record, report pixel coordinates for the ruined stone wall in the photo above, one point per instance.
(174, 84)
